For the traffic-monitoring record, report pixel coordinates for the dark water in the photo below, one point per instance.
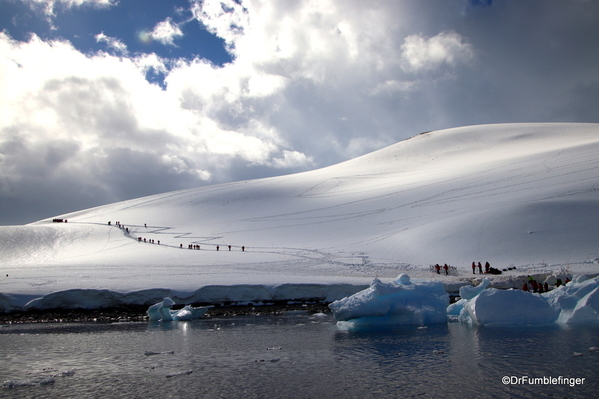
(293, 356)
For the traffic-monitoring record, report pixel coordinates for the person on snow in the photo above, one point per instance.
(525, 287)
(438, 268)
(473, 268)
(446, 268)
(480, 268)
(487, 267)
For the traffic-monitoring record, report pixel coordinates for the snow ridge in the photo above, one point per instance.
(524, 195)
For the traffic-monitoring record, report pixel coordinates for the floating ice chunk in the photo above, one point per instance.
(150, 353)
(162, 311)
(508, 307)
(455, 308)
(574, 303)
(468, 292)
(183, 315)
(400, 302)
(189, 313)
(33, 381)
(186, 372)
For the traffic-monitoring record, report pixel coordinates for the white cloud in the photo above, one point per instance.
(112, 43)
(166, 32)
(290, 159)
(420, 53)
(94, 121)
(48, 6)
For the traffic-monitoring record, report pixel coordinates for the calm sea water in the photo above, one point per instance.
(297, 355)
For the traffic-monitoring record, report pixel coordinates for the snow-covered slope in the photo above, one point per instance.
(513, 194)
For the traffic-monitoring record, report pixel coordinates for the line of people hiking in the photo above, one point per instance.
(120, 226)
(151, 241)
(197, 247)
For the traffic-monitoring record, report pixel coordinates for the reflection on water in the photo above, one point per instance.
(293, 356)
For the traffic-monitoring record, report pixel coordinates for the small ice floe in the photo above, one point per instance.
(276, 359)
(162, 311)
(150, 353)
(577, 354)
(186, 372)
(274, 348)
(30, 382)
(593, 349)
(320, 314)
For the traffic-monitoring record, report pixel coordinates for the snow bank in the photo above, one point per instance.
(96, 299)
(401, 302)
(574, 303)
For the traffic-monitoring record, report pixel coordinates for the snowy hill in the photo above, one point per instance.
(525, 195)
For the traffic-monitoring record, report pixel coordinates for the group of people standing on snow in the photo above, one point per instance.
(445, 267)
(488, 268)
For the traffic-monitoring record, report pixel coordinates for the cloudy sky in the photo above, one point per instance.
(106, 100)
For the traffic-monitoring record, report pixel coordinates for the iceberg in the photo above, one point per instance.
(400, 302)
(161, 311)
(574, 303)
(403, 302)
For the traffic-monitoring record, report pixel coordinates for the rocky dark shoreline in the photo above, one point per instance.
(137, 313)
